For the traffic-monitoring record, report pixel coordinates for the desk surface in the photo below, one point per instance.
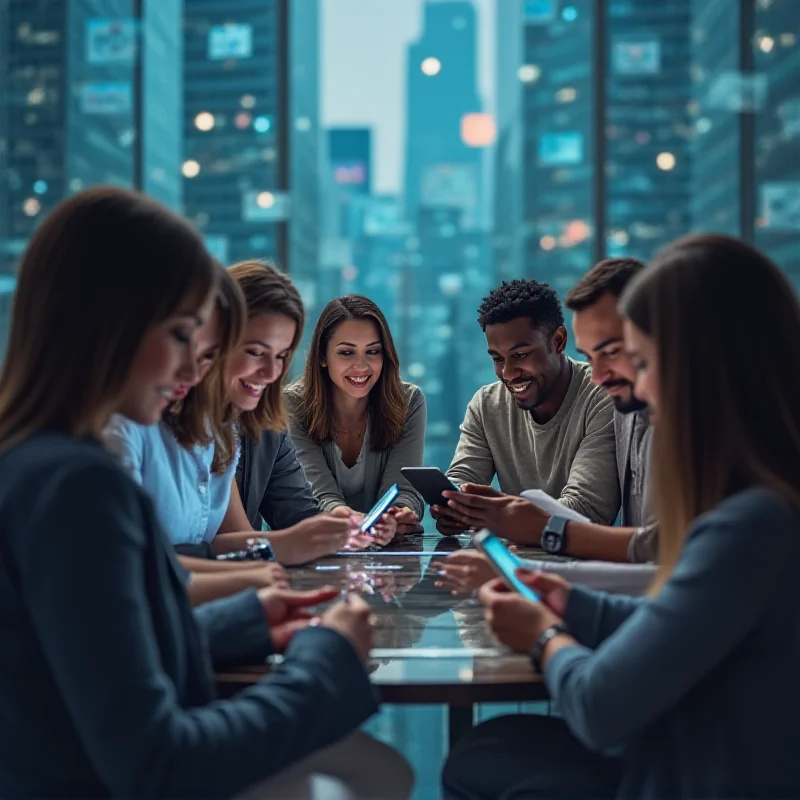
(429, 647)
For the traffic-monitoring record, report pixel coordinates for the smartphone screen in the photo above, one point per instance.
(505, 562)
(379, 509)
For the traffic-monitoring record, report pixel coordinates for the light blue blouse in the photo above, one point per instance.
(189, 499)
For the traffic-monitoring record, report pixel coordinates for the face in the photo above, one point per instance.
(166, 359)
(354, 357)
(599, 337)
(526, 360)
(207, 344)
(644, 357)
(261, 359)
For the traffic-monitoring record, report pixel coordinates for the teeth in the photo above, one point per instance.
(520, 387)
(255, 387)
(169, 393)
(358, 380)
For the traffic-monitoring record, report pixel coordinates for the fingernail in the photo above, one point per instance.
(441, 572)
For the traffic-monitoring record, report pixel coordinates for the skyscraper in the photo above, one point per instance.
(443, 103)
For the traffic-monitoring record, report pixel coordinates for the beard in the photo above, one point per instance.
(539, 391)
(625, 405)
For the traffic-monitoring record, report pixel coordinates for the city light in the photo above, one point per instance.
(478, 130)
(529, 73)
(247, 101)
(302, 124)
(431, 66)
(265, 200)
(788, 39)
(547, 242)
(262, 124)
(36, 96)
(766, 43)
(569, 14)
(349, 273)
(577, 230)
(204, 121)
(665, 161)
(40, 187)
(242, 120)
(703, 125)
(620, 238)
(190, 169)
(566, 95)
(31, 206)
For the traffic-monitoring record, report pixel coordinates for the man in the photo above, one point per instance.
(597, 327)
(542, 425)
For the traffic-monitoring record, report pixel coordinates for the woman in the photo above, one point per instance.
(189, 469)
(106, 682)
(694, 686)
(354, 422)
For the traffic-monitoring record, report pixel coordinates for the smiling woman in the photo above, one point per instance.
(354, 422)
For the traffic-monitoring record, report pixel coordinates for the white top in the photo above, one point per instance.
(351, 480)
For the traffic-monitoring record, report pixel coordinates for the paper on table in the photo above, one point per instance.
(552, 506)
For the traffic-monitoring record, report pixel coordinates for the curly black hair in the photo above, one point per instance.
(522, 298)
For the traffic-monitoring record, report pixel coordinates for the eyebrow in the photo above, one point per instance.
(259, 342)
(517, 346)
(192, 315)
(605, 343)
(350, 344)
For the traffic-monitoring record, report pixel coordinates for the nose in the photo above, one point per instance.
(600, 374)
(640, 388)
(270, 370)
(507, 371)
(188, 371)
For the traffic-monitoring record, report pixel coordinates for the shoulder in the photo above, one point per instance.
(414, 396)
(491, 396)
(292, 395)
(589, 395)
(758, 510)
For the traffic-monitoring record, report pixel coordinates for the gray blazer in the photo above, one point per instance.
(382, 468)
(106, 680)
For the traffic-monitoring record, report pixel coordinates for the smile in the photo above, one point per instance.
(253, 389)
(519, 388)
(358, 381)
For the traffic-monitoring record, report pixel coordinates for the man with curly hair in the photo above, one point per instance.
(542, 425)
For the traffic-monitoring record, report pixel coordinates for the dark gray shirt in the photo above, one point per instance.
(696, 687)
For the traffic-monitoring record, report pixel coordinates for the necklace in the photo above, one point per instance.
(358, 433)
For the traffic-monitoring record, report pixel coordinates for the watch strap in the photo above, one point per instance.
(554, 531)
(538, 648)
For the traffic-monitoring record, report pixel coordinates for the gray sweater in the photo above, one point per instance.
(572, 457)
(382, 466)
(696, 687)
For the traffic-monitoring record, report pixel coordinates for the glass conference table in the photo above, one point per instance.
(429, 646)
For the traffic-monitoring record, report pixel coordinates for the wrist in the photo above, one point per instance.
(540, 647)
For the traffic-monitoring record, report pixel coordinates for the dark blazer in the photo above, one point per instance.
(106, 679)
(272, 483)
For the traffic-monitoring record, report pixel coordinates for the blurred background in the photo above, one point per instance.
(414, 151)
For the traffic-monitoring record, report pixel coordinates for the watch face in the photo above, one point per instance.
(551, 542)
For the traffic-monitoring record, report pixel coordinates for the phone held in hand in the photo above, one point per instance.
(379, 509)
(504, 562)
(430, 482)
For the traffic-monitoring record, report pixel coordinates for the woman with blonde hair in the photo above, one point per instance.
(694, 687)
(355, 423)
(107, 681)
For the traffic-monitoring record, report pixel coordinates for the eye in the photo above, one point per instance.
(345, 353)
(612, 353)
(497, 359)
(521, 356)
(374, 352)
(254, 353)
(182, 335)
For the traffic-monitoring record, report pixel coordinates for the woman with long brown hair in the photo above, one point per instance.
(355, 424)
(106, 681)
(694, 685)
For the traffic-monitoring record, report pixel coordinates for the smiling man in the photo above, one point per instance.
(543, 424)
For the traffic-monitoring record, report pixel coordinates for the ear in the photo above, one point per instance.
(560, 339)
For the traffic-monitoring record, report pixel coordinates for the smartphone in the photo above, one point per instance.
(505, 563)
(379, 509)
(430, 482)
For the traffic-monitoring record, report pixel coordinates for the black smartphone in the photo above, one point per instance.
(430, 482)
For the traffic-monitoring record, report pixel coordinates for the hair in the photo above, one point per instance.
(522, 298)
(610, 276)
(103, 268)
(726, 327)
(387, 402)
(201, 417)
(266, 290)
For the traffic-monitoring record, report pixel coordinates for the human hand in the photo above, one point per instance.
(446, 522)
(407, 521)
(267, 573)
(512, 517)
(384, 530)
(287, 611)
(553, 590)
(464, 571)
(515, 622)
(354, 621)
(345, 512)
(310, 539)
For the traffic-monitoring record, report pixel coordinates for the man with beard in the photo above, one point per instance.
(542, 425)
(597, 327)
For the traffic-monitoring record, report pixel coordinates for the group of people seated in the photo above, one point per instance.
(151, 442)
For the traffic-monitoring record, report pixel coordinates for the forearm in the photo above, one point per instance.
(229, 542)
(206, 566)
(601, 542)
(208, 586)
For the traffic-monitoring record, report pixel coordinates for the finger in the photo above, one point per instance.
(480, 489)
(542, 581)
(487, 593)
(464, 500)
(357, 604)
(311, 597)
(465, 516)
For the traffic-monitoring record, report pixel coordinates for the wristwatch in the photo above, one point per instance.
(554, 536)
(537, 651)
(260, 547)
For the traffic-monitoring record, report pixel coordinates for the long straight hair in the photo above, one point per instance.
(200, 418)
(266, 290)
(726, 328)
(387, 402)
(103, 268)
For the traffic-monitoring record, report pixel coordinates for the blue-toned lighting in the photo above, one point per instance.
(40, 187)
(569, 14)
(262, 124)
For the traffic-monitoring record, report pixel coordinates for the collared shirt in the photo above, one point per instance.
(189, 499)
